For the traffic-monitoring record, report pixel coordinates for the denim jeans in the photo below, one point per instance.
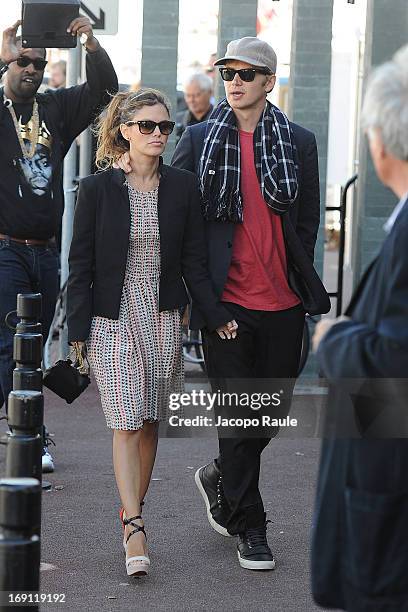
(23, 269)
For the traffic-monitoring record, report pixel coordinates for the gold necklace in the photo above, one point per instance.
(28, 152)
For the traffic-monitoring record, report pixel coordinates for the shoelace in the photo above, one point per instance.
(48, 441)
(257, 536)
(220, 491)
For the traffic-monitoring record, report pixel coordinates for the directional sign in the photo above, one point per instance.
(103, 15)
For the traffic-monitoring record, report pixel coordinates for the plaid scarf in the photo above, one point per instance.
(220, 163)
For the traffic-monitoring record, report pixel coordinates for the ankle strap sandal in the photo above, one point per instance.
(137, 528)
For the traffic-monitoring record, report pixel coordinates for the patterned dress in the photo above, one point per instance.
(138, 360)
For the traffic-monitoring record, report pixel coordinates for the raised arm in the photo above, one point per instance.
(80, 104)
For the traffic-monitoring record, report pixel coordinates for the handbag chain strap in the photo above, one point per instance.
(80, 364)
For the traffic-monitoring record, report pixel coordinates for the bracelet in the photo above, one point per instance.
(3, 68)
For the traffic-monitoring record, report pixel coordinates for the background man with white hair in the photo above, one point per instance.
(360, 534)
(198, 92)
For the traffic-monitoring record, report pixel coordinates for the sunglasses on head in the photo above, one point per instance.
(23, 61)
(245, 74)
(148, 127)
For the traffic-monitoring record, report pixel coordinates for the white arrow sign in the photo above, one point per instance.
(103, 15)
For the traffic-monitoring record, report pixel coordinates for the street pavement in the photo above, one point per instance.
(193, 568)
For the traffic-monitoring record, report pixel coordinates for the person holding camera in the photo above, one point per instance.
(36, 131)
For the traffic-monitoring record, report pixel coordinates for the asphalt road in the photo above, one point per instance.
(193, 568)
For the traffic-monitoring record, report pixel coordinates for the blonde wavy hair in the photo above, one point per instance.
(121, 109)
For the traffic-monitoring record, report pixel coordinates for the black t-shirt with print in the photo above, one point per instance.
(27, 206)
(31, 194)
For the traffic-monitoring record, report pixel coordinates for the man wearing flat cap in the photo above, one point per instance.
(259, 180)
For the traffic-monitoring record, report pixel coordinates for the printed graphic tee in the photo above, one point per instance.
(27, 207)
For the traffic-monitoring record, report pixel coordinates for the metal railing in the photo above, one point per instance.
(342, 208)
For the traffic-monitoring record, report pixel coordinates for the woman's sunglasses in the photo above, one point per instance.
(148, 127)
(23, 61)
(245, 74)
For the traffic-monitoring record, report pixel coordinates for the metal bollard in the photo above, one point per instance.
(20, 519)
(24, 448)
(28, 343)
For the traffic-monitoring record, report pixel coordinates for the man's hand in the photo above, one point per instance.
(323, 327)
(124, 163)
(82, 26)
(9, 50)
(228, 331)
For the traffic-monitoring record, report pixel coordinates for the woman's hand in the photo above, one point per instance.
(228, 331)
(124, 163)
(79, 346)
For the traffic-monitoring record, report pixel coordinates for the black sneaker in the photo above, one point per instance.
(209, 482)
(253, 550)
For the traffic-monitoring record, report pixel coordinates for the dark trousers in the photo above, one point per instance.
(267, 346)
(23, 269)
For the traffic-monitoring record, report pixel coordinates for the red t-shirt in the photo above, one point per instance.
(257, 277)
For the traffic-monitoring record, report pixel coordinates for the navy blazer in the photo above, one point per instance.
(300, 225)
(98, 254)
(360, 533)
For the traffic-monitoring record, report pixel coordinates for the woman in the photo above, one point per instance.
(135, 240)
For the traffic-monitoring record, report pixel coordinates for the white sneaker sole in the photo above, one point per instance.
(256, 565)
(47, 467)
(218, 528)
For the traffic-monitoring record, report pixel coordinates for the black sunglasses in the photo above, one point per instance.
(245, 74)
(148, 127)
(23, 61)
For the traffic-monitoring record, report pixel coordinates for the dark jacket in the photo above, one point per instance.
(100, 243)
(68, 112)
(360, 532)
(186, 118)
(300, 225)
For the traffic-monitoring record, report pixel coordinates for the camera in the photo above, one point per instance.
(45, 22)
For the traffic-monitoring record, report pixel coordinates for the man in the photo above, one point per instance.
(360, 535)
(198, 91)
(36, 131)
(210, 70)
(259, 180)
(58, 75)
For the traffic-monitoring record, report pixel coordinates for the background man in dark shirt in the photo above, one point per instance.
(36, 132)
(198, 92)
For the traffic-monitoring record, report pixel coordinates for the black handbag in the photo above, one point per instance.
(68, 379)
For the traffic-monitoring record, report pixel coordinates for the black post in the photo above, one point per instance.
(340, 271)
(24, 448)
(27, 376)
(28, 343)
(20, 519)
